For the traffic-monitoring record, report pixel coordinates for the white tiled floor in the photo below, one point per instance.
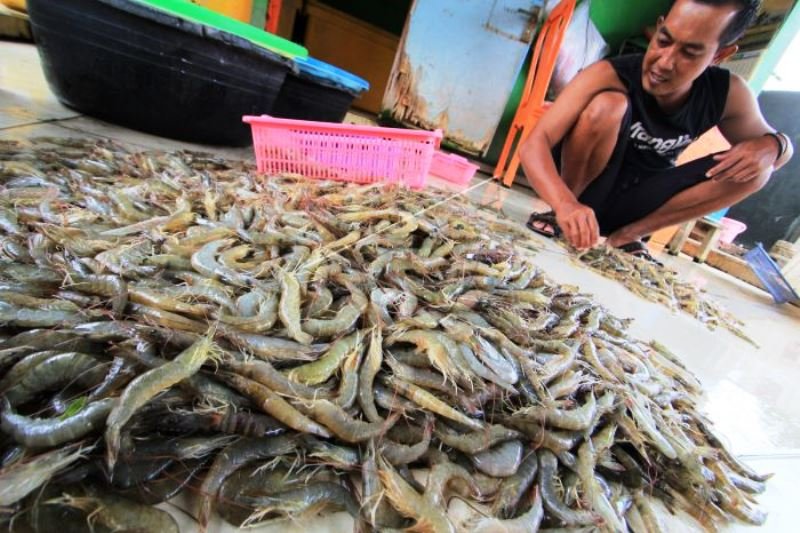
(753, 395)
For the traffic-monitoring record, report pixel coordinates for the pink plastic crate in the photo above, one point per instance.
(344, 152)
(453, 168)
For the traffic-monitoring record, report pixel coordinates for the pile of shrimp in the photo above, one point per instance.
(276, 348)
(662, 285)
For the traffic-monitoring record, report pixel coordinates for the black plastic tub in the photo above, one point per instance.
(315, 90)
(132, 65)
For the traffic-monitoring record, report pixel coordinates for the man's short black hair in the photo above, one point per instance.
(748, 9)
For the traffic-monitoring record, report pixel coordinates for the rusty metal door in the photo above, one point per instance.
(457, 64)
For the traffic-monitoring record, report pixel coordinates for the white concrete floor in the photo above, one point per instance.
(753, 395)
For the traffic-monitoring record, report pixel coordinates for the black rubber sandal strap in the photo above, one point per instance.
(548, 218)
(640, 250)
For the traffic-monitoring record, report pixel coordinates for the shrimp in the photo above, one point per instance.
(393, 402)
(644, 418)
(515, 486)
(294, 502)
(477, 441)
(178, 221)
(261, 322)
(478, 369)
(573, 419)
(22, 478)
(144, 387)
(548, 470)
(435, 345)
(271, 348)
(348, 384)
(272, 404)
(443, 474)
(323, 368)
(423, 377)
(588, 453)
(53, 371)
(400, 454)
(264, 373)
(320, 302)
(45, 304)
(40, 433)
(345, 318)
(556, 441)
(21, 367)
(340, 457)
(429, 402)
(412, 504)
(500, 461)
(649, 517)
(369, 369)
(343, 425)
(38, 318)
(526, 522)
(233, 457)
(157, 300)
(500, 365)
(204, 261)
(113, 287)
(374, 506)
(159, 317)
(289, 308)
(121, 514)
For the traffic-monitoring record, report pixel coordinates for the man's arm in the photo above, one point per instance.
(577, 221)
(754, 154)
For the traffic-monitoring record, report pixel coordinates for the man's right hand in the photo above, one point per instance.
(579, 224)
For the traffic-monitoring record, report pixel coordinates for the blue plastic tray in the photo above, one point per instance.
(770, 275)
(319, 70)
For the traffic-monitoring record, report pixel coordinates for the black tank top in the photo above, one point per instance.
(657, 138)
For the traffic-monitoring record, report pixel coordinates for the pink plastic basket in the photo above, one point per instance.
(344, 152)
(730, 229)
(453, 168)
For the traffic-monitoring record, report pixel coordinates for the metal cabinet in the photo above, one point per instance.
(457, 64)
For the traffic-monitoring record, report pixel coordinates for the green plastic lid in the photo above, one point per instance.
(199, 14)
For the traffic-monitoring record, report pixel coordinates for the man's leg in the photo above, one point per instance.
(673, 197)
(588, 148)
(590, 155)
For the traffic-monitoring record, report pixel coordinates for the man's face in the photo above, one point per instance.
(684, 45)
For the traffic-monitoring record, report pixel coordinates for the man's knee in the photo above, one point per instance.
(759, 183)
(754, 185)
(605, 111)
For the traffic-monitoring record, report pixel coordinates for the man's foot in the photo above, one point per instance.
(640, 250)
(544, 224)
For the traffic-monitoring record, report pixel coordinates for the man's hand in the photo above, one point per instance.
(746, 161)
(579, 224)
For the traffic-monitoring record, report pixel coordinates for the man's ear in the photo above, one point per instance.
(724, 53)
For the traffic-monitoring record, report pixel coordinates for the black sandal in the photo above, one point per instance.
(640, 250)
(548, 226)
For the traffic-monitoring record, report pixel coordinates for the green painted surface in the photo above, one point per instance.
(618, 20)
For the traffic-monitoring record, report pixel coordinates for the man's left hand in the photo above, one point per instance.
(746, 161)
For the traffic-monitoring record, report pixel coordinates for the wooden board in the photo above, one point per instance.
(730, 264)
(346, 42)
